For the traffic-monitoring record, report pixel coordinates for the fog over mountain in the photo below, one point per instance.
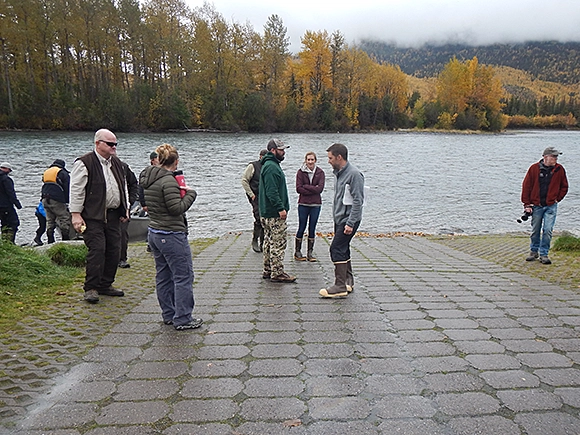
(415, 22)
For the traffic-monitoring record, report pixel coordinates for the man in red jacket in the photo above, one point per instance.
(544, 186)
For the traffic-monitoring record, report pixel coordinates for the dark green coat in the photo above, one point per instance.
(165, 206)
(273, 196)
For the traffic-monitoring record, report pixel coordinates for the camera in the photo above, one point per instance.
(524, 217)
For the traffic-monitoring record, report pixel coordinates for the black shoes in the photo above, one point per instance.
(124, 265)
(111, 291)
(194, 324)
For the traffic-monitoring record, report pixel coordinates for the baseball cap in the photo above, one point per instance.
(551, 151)
(276, 144)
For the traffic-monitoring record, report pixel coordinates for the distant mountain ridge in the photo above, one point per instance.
(550, 61)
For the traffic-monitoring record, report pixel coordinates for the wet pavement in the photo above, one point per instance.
(431, 341)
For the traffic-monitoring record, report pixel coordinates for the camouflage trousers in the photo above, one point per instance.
(275, 240)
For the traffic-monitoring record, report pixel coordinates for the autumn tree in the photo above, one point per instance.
(470, 95)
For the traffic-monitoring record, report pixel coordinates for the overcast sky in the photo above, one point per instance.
(413, 22)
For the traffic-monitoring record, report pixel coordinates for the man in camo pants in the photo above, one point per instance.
(274, 205)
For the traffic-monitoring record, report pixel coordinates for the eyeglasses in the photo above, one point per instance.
(111, 144)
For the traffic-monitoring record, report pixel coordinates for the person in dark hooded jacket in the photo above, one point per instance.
(168, 239)
(9, 221)
(55, 198)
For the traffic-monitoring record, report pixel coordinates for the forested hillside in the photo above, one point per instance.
(549, 61)
(158, 64)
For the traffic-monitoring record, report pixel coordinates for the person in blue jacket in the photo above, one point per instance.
(40, 214)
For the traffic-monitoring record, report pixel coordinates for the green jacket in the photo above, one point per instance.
(273, 193)
(166, 207)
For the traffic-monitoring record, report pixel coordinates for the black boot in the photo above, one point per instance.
(298, 251)
(50, 235)
(309, 255)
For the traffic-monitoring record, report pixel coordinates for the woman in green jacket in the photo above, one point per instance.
(168, 239)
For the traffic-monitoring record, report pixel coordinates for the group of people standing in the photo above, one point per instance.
(265, 185)
(94, 200)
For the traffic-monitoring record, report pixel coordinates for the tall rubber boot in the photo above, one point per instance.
(339, 288)
(309, 255)
(298, 251)
(255, 239)
(349, 277)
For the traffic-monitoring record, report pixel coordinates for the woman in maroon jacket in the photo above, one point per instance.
(309, 185)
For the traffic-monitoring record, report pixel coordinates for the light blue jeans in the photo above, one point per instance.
(543, 220)
(174, 278)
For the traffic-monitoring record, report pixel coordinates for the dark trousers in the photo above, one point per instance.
(124, 240)
(255, 211)
(340, 246)
(103, 239)
(9, 223)
(41, 225)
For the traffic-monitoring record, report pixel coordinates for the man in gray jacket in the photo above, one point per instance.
(347, 214)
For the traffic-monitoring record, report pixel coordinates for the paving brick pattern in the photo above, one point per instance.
(433, 340)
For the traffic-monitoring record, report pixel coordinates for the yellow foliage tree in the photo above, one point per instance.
(471, 93)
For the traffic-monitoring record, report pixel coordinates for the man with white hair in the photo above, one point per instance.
(8, 217)
(98, 205)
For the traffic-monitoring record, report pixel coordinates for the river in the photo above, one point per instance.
(435, 183)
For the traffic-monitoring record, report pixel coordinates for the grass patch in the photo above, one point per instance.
(68, 255)
(567, 243)
(29, 281)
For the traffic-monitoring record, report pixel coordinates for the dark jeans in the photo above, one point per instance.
(41, 225)
(103, 239)
(310, 215)
(340, 246)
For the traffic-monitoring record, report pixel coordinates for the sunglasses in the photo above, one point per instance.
(111, 144)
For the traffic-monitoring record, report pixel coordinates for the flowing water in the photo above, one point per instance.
(421, 182)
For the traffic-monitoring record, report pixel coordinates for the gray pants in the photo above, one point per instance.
(174, 278)
(57, 215)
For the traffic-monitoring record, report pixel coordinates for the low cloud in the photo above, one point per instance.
(416, 22)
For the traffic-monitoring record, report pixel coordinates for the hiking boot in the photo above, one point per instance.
(533, 256)
(168, 322)
(37, 241)
(92, 296)
(266, 275)
(124, 265)
(283, 277)
(194, 324)
(545, 260)
(111, 291)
